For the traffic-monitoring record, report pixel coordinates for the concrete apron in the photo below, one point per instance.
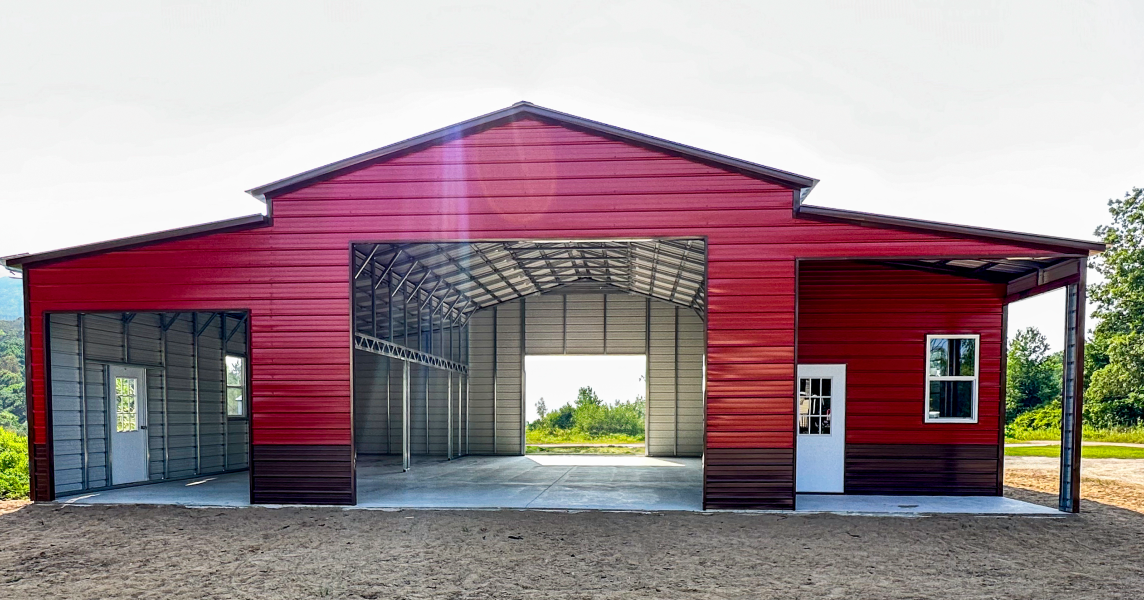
(543, 482)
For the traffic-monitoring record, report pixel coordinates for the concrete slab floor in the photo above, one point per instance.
(604, 482)
(918, 505)
(228, 489)
(568, 482)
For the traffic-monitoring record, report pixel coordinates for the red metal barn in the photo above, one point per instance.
(793, 347)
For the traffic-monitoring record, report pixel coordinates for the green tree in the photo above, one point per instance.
(586, 396)
(541, 409)
(1033, 375)
(1115, 362)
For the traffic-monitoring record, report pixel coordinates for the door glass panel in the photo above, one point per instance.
(814, 406)
(126, 404)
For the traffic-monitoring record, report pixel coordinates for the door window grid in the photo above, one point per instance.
(126, 404)
(814, 406)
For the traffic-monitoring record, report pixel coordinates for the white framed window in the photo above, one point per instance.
(235, 386)
(952, 362)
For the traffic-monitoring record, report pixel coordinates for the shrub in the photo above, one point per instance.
(13, 465)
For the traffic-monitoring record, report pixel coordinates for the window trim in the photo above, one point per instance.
(226, 388)
(976, 378)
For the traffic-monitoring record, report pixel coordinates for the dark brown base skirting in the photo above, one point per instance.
(302, 474)
(749, 478)
(41, 467)
(922, 469)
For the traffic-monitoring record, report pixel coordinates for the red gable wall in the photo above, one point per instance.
(523, 180)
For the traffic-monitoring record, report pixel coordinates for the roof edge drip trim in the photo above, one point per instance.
(516, 112)
(1055, 244)
(235, 224)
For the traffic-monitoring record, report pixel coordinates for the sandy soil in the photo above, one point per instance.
(1119, 469)
(51, 551)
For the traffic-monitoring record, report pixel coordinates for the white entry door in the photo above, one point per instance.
(821, 428)
(128, 395)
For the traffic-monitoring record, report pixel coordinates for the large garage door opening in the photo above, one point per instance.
(586, 404)
(443, 336)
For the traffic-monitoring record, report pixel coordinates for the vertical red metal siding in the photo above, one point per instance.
(523, 180)
(875, 319)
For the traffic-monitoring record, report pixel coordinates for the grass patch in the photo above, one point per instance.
(639, 451)
(1054, 451)
(1090, 434)
(571, 436)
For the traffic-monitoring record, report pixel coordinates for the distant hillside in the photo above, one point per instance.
(11, 297)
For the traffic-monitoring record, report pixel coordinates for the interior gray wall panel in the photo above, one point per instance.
(481, 411)
(370, 420)
(591, 323)
(179, 444)
(675, 367)
(509, 401)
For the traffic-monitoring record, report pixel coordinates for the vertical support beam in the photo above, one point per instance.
(195, 383)
(675, 373)
(404, 415)
(1073, 393)
(372, 298)
(647, 376)
(1004, 386)
(163, 327)
(449, 411)
(225, 417)
(496, 362)
(564, 324)
(605, 299)
(468, 384)
(388, 412)
(523, 351)
(83, 402)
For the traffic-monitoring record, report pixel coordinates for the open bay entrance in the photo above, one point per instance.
(444, 333)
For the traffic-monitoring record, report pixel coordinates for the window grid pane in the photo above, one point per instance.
(235, 386)
(126, 404)
(952, 378)
(814, 406)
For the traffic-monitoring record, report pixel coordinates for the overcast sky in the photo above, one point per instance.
(123, 118)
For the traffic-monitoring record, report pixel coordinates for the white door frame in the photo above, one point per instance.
(124, 441)
(820, 458)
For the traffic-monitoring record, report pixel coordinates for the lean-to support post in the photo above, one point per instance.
(404, 415)
(1073, 393)
(468, 386)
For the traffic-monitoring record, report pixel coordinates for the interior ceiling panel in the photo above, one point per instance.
(463, 277)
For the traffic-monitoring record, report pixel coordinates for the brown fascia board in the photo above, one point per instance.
(519, 111)
(237, 224)
(1056, 245)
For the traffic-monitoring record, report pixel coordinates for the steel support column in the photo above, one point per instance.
(404, 415)
(1073, 393)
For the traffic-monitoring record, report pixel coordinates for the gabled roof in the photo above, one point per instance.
(522, 110)
(799, 184)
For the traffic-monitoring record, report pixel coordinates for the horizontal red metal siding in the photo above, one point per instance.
(524, 180)
(875, 319)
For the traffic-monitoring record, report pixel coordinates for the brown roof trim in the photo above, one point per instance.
(519, 111)
(236, 224)
(1041, 242)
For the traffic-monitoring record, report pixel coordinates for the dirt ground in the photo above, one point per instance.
(49, 551)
